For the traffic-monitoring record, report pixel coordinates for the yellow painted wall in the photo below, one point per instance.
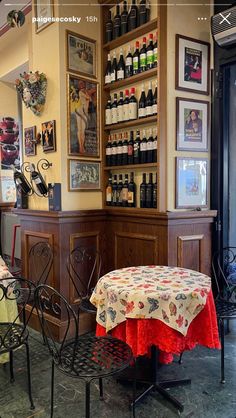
(8, 100)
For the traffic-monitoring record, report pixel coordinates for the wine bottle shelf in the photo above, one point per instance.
(128, 167)
(131, 80)
(130, 36)
(130, 123)
(131, 210)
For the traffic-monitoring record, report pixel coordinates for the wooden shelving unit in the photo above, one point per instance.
(131, 123)
(131, 80)
(129, 166)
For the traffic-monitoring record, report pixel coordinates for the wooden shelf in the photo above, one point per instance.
(132, 35)
(130, 210)
(130, 123)
(128, 166)
(131, 80)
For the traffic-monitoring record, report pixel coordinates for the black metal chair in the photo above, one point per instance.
(84, 357)
(14, 334)
(84, 268)
(40, 262)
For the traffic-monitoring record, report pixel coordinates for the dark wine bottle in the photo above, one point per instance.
(114, 68)
(136, 59)
(150, 53)
(38, 181)
(108, 117)
(143, 187)
(119, 191)
(142, 12)
(131, 148)
(149, 100)
(108, 151)
(137, 148)
(114, 110)
(155, 145)
(131, 192)
(109, 28)
(124, 19)
(129, 63)
(125, 150)
(142, 104)
(114, 151)
(155, 52)
(120, 109)
(150, 147)
(20, 181)
(114, 191)
(143, 56)
(119, 159)
(126, 106)
(109, 191)
(125, 191)
(143, 148)
(117, 23)
(133, 105)
(133, 16)
(154, 196)
(108, 70)
(121, 67)
(148, 10)
(154, 101)
(149, 192)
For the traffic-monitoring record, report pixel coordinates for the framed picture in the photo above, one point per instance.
(43, 11)
(49, 136)
(192, 64)
(84, 175)
(192, 125)
(83, 118)
(81, 54)
(191, 182)
(29, 137)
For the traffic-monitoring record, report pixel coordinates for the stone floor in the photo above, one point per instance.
(205, 398)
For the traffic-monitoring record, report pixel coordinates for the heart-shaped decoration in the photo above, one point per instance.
(32, 88)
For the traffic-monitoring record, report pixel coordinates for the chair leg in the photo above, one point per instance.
(180, 358)
(12, 378)
(29, 377)
(222, 337)
(227, 329)
(87, 400)
(52, 388)
(101, 388)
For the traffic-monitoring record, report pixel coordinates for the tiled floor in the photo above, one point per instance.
(205, 398)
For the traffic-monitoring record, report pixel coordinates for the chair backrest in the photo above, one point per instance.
(15, 294)
(224, 268)
(84, 268)
(40, 262)
(49, 300)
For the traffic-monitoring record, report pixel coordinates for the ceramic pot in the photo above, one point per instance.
(8, 122)
(9, 153)
(8, 136)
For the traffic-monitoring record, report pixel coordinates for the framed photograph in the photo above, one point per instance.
(29, 137)
(49, 136)
(84, 175)
(43, 11)
(81, 54)
(192, 65)
(83, 125)
(191, 182)
(192, 125)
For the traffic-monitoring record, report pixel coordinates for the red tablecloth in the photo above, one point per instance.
(141, 334)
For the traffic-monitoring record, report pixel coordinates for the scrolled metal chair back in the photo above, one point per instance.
(221, 262)
(40, 262)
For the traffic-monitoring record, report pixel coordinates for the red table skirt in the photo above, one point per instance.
(141, 334)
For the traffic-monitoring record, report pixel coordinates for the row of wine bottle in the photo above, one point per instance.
(124, 193)
(128, 108)
(141, 60)
(127, 20)
(121, 150)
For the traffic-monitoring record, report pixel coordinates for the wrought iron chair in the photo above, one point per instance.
(40, 262)
(84, 357)
(15, 294)
(84, 268)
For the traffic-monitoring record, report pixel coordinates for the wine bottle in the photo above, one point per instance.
(143, 187)
(154, 101)
(108, 116)
(119, 191)
(143, 148)
(114, 151)
(125, 150)
(131, 192)
(149, 100)
(20, 181)
(109, 191)
(155, 52)
(108, 70)
(149, 192)
(150, 53)
(133, 105)
(129, 63)
(114, 110)
(133, 16)
(109, 28)
(137, 148)
(117, 23)
(126, 106)
(114, 68)
(108, 151)
(142, 104)
(154, 145)
(38, 181)
(125, 191)
(114, 191)
(148, 10)
(120, 109)
(143, 56)
(142, 12)
(121, 67)
(136, 59)
(124, 19)
(154, 195)
(131, 148)
(119, 159)
(150, 148)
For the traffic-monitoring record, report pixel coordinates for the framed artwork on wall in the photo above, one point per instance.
(192, 124)
(10, 144)
(192, 65)
(81, 54)
(29, 137)
(49, 136)
(84, 175)
(191, 182)
(83, 125)
(43, 12)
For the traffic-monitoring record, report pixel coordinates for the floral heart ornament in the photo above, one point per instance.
(32, 87)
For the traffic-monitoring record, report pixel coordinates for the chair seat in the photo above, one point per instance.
(225, 309)
(95, 357)
(87, 306)
(12, 336)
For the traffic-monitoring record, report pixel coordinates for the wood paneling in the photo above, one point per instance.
(189, 251)
(135, 249)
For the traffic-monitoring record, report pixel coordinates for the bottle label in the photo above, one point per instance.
(143, 60)
(130, 150)
(154, 109)
(114, 196)
(108, 79)
(37, 180)
(135, 63)
(120, 74)
(120, 196)
(125, 194)
(120, 113)
(130, 197)
(150, 57)
(155, 55)
(18, 181)
(148, 110)
(126, 112)
(108, 117)
(133, 110)
(149, 145)
(142, 112)
(113, 76)
(142, 194)
(124, 149)
(114, 150)
(108, 151)
(108, 194)
(128, 62)
(143, 146)
(120, 149)
(136, 149)
(154, 145)
(114, 115)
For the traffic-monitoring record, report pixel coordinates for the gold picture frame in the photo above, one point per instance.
(43, 10)
(84, 175)
(81, 55)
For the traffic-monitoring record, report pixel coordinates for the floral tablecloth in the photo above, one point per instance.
(172, 295)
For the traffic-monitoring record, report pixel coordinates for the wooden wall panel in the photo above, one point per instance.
(189, 251)
(135, 249)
